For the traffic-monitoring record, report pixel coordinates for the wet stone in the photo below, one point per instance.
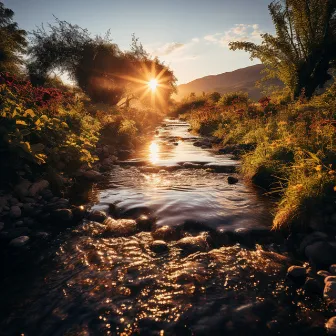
(97, 216)
(144, 223)
(193, 244)
(329, 292)
(321, 253)
(120, 227)
(159, 246)
(313, 286)
(19, 241)
(167, 233)
(296, 273)
(63, 215)
(331, 326)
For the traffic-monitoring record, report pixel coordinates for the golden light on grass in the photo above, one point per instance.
(153, 83)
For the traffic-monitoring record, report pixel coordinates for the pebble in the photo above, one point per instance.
(19, 241)
(313, 286)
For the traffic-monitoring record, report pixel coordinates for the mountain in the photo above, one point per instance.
(239, 80)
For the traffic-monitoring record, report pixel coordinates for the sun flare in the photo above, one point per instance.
(153, 83)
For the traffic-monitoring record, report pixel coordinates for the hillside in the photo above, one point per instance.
(239, 80)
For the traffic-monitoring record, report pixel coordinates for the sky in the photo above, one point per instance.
(191, 36)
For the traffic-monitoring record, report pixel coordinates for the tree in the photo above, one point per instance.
(97, 65)
(304, 47)
(12, 41)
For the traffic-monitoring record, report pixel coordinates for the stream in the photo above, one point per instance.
(195, 279)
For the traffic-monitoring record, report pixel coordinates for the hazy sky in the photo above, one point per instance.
(189, 35)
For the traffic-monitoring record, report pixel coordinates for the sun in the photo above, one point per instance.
(153, 83)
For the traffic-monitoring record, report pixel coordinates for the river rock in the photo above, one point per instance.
(312, 238)
(330, 278)
(159, 246)
(323, 273)
(330, 290)
(37, 187)
(144, 223)
(15, 212)
(97, 216)
(22, 189)
(193, 244)
(321, 253)
(120, 227)
(79, 212)
(63, 215)
(331, 326)
(167, 233)
(92, 175)
(232, 180)
(297, 273)
(313, 286)
(19, 241)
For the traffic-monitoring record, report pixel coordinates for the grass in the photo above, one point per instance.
(294, 155)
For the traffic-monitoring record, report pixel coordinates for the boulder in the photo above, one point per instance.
(15, 211)
(296, 272)
(313, 286)
(312, 238)
(331, 326)
(321, 253)
(19, 241)
(63, 215)
(21, 190)
(329, 292)
(159, 246)
(37, 187)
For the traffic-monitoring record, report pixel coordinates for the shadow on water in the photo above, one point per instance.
(93, 282)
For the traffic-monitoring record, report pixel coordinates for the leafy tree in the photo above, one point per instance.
(304, 47)
(97, 65)
(215, 96)
(12, 41)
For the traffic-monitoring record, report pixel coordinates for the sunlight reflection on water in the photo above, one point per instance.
(154, 151)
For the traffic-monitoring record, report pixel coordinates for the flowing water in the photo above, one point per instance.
(92, 283)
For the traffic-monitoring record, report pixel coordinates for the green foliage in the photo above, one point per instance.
(63, 136)
(294, 155)
(12, 41)
(303, 49)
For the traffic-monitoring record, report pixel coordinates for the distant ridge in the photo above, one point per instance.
(239, 80)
